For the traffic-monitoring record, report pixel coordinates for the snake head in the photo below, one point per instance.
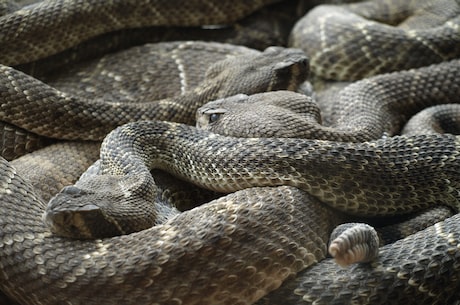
(269, 114)
(67, 216)
(100, 206)
(276, 68)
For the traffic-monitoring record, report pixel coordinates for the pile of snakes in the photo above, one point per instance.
(229, 152)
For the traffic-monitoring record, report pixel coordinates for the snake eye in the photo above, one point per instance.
(214, 117)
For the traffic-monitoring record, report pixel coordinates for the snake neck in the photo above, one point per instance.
(349, 176)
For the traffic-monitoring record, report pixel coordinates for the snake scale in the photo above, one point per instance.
(271, 234)
(140, 99)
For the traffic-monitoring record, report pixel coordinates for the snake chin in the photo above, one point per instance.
(85, 211)
(76, 224)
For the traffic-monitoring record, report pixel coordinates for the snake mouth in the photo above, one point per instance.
(76, 224)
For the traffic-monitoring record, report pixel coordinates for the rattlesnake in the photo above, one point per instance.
(102, 111)
(391, 35)
(363, 111)
(28, 42)
(370, 119)
(287, 243)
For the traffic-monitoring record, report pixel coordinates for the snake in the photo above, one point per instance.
(436, 119)
(281, 159)
(141, 146)
(391, 36)
(102, 110)
(27, 42)
(228, 237)
(285, 151)
(363, 111)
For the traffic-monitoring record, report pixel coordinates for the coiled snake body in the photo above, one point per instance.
(238, 248)
(213, 249)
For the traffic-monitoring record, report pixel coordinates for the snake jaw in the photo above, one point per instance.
(90, 208)
(67, 216)
(74, 212)
(70, 223)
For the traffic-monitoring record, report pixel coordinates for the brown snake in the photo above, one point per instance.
(22, 41)
(227, 262)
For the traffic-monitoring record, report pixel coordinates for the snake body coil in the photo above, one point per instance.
(273, 229)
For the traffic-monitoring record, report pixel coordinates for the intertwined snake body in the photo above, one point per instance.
(222, 257)
(240, 247)
(29, 34)
(340, 174)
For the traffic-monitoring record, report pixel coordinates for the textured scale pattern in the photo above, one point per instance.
(363, 111)
(272, 233)
(412, 33)
(352, 243)
(246, 270)
(420, 269)
(341, 175)
(60, 115)
(23, 41)
(17, 142)
(436, 119)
